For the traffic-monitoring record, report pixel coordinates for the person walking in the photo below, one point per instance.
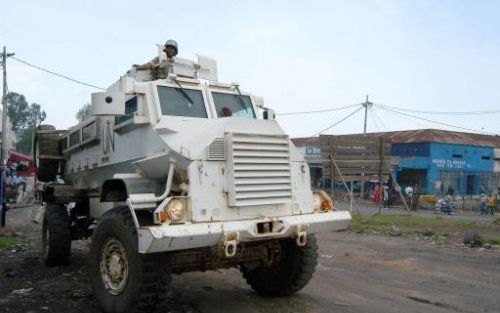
(3, 204)
(482, 204)
(377, 195)
(409, 197)
(385, 196)
(490, 201)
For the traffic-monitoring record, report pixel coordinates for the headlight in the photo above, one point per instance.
(173, 209)
(317, 201)
(176, 210)
(322, 201)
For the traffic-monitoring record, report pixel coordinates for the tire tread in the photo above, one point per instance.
(292, 273)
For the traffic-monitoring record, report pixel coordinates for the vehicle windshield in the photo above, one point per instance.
(233, 105)
(181, 102)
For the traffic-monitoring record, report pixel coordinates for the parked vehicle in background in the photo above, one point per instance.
(445, 206)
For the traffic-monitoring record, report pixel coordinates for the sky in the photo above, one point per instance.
(299, 56)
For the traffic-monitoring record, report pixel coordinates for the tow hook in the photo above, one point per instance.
(301, 236)
(231, 243)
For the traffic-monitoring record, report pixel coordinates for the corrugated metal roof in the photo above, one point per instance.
(420, 135)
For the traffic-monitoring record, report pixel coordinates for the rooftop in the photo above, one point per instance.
(420, 135)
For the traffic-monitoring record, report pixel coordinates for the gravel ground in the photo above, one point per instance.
(356, 273)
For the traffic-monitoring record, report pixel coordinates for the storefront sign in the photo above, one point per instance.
(312, 150)
(450, 164)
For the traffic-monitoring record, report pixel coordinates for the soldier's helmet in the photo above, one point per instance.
(173, 44)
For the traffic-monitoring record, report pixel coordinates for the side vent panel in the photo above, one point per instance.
(217, 150)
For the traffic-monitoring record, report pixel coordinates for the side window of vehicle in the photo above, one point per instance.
(130, 109)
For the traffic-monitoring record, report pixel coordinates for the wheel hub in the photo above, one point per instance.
(114, 266)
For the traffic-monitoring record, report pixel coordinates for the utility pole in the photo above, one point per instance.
(5, 151)
(366, 104)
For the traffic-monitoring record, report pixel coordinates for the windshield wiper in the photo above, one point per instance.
(183, 93)
(240, 100)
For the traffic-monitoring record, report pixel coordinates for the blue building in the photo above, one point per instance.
(435, 161)
(440, 167)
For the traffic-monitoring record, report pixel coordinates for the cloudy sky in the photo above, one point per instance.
(298, 55)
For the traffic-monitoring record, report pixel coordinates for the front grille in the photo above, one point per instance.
(259, 169)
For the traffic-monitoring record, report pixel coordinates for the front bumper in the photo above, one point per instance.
(188, 236)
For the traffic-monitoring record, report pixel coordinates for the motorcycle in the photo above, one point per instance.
(445, 206)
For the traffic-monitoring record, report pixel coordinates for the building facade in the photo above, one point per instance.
(435, 161)
(441, 168)
(312, 154)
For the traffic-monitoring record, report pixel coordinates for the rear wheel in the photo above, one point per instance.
(56, 235)
(292, 270)
(122, 279)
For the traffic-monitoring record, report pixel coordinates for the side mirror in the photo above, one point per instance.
(268, 114)
(108, 103)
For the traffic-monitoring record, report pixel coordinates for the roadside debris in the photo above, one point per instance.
(395, 231)
(473, 240)
(21, 292)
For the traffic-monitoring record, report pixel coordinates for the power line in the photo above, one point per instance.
(413, 121)
(338, 122)
(318, 111)
(379, 119)
(440, 112)
(435, 122)
(374, 120)
(56, 74)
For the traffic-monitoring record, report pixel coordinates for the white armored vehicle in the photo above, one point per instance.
(180, 174)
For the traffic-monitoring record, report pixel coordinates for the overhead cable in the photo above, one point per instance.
(435, 122)
(376, 117)
(338, 122)
(54, 73)
(374, 120)
(439, 112)
(319, 111)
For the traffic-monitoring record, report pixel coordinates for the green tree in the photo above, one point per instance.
(17, 110)
(25, 142)
(84, 112)
(35, 115)
(23, 117)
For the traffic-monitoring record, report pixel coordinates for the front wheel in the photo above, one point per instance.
(292, 270)
(122, 279)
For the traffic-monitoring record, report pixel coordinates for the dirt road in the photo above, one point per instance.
(356, 273)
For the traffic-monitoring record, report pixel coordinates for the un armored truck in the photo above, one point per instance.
(178, 174)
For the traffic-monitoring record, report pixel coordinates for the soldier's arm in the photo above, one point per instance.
(146, 66)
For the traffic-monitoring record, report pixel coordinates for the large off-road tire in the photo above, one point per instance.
(122, 279)
(292, 271)
(56, 235)
(46, 168)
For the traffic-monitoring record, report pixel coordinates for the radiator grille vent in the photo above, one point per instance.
(260, 169)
